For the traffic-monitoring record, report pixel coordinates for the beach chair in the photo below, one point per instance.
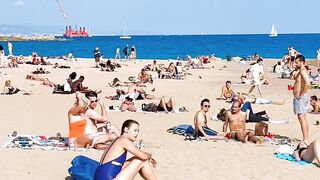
(83, 168)
(179, 73)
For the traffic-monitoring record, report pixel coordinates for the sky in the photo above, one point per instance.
(163, 16)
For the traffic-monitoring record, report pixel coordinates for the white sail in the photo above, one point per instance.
(124, 36)
(273, 31)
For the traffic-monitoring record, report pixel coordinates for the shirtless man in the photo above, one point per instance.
(315, 104)
(300, 96)
(144, 77)
(200, 123)
(236, 120)
(103, 134)
(227, 91)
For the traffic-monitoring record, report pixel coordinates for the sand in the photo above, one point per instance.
(45, 113)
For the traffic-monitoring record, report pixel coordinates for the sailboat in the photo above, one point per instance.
(273, 31)
(125, 36)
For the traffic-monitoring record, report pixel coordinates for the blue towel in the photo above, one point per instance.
(288, 157)
(83, 168)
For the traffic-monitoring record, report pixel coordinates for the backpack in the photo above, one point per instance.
(150, 107)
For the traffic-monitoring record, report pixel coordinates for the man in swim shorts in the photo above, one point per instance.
(227, 91)
(201, 128)
(236, 120)
(105, 133)
(300, 96)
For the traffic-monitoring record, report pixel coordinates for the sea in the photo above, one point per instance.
(176, 46)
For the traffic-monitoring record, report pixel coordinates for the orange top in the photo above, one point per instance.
(76, 129)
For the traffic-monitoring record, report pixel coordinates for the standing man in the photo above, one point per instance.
(257, 70)
(117, 53)
(10, 46)
(300, 96)
(97, 56)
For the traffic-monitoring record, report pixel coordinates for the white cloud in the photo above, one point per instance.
(19, 3)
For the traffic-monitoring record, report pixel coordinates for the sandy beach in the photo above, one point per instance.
(45, 114)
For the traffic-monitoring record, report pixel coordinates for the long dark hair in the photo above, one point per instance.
(127, 124)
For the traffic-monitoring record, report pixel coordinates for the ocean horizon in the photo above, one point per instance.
(174, 46)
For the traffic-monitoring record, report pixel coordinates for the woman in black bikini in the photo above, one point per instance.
(307, 153)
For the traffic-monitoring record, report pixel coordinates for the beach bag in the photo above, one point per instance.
(261, 129)
(150, 107)
(83, 168)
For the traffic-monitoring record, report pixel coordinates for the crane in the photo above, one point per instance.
(63, 13)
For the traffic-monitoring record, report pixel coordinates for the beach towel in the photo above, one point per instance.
(183, 129)
(83, 168)
(288, 157)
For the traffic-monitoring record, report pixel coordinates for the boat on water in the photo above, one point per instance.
(71, 33)
(273, 31)
(125, 36)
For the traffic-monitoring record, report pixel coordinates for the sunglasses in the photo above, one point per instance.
(95, 101)
(207, 106)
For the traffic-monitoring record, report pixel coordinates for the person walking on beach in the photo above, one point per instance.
(292, 53)
(300, 96)
(117, 53)
(318, 57)
(126, 51)
(97, 56)
(133, 53)
(10, 46)
(1, 53)
(256, 70)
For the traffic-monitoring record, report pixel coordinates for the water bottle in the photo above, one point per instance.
(140, 144)
(72, 146)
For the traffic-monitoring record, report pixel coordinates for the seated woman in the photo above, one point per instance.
(167, 106)
(113, 161)
(77, 125)
(167, 73)
(307, 153)
(128, 104)
(245, 78)
(8, 89)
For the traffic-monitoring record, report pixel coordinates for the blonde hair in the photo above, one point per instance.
(7, 83)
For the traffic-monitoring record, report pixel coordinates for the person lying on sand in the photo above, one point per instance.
(315, 104)
(116, 82)
(243, 97)
(128, 104)
(134, 92)
(44, 81)
(56, 65)
(236, 120)
(309, 153)
(227, 91)
(201, 128)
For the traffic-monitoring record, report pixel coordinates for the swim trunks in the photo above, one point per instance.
(300, 105)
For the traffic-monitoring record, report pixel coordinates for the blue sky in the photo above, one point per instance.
(166, 16)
